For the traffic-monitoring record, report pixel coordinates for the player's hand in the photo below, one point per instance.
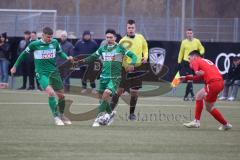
(81, 61)
(144, 60)
(199, 73)
(130, 68)
(13, 70)
(70, 58)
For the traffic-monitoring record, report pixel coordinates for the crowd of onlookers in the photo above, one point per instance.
(84, 46)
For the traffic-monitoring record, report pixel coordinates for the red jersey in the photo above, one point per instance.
(211, 72)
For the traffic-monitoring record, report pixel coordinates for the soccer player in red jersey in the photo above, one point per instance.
(206, 70)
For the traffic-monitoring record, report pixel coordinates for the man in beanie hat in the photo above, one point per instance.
(87, 46)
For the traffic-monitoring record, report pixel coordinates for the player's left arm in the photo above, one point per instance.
(198, 73)
(130, 54)
(201, 48)
(94, 56)
(145, 50)
(28, 50)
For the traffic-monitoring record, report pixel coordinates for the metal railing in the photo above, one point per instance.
(153, 28)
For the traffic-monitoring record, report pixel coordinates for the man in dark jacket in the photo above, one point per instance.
(87, 46)
(31, 73)
(25, 64)
(232, 80)
(67, 47)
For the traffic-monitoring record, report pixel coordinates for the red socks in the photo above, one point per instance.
(198, 109)
(214, 112)
(218, 116)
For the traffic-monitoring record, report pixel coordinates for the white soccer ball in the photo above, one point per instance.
(104, 119)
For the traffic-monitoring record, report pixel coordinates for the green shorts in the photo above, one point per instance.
(108, 83)
(53, 79)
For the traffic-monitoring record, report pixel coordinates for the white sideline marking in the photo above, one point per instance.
(80, 104)
(121, 104)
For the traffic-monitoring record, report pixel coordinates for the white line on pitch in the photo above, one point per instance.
(95, 104)
(79, 104)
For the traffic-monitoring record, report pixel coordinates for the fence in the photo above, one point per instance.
(153, 28)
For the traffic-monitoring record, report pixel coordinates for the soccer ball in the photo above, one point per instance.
(104, 119)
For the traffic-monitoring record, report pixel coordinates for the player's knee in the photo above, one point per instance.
(50, 91)
(134, 93)
(61, 96)
(199, 97)
(106, 94)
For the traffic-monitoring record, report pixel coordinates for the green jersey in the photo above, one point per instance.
(44, 55)
(112, 57)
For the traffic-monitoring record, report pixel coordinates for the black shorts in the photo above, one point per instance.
(185, 69)
(130, 83)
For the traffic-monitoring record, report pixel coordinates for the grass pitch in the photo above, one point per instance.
(27, 131)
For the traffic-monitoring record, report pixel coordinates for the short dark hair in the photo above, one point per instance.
(131, 21)
(189, 29)
(48, 31)
(27, 32)
(195, 53)
(34, 32)
(112, 31)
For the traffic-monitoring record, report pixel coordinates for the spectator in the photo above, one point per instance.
(25, 64)
(232, 80)
(33, 37)
(67, 47)
(4, 60)
(87, 46)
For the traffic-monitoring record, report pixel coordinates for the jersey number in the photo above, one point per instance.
(208, 61)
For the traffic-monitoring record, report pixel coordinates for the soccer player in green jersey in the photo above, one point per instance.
(112, 56)
(45, 51)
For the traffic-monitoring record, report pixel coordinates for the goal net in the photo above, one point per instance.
(16, 21)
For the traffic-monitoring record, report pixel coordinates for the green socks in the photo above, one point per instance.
(104, 107)
(53, 106)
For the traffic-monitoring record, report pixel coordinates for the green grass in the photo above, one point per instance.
(27, 131)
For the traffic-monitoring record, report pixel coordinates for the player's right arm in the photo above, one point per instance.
(28, 50)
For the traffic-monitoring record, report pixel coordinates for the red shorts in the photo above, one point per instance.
(213, 89)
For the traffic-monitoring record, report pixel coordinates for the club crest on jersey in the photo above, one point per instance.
(51, 46)
(156, 59)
